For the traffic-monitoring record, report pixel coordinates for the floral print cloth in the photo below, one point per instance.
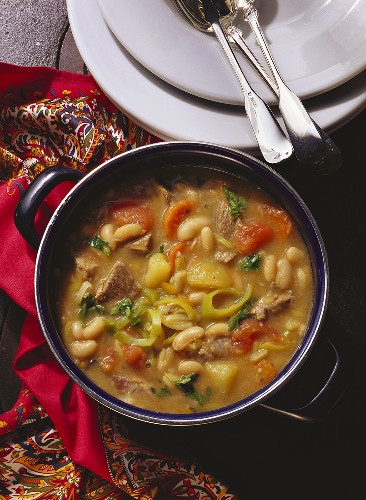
(50, 118)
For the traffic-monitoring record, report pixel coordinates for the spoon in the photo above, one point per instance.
(308, 144)
(274, 145)
(328, 162)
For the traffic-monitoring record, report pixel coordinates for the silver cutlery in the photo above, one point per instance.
(308, 144)
(329, 157)
(273, 143)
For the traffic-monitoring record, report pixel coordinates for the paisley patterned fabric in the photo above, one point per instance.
(50, 118)
(76, 133)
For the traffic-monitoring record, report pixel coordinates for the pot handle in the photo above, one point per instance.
(31, 199)
(305, 385)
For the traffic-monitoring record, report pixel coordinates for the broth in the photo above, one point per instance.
(183, 297)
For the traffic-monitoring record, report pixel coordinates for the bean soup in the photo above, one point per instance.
(183, 296)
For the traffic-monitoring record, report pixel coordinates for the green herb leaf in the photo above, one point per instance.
(161, 250)
(250, 262)
(122, 307)
(99, 244)
(236, 203)
(235, 320)
(87, 305)
(136, 320)
(164, 391)
(186, 385)
(196, 396)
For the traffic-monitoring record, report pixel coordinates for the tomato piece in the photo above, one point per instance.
(250, 237)
(135, 355)
(265, 371)
(279, 220)
(174, 251)
(175, 214)
(131, 213)
(108, 362)
(250, 330)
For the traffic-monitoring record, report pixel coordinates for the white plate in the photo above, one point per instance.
(172, 114)
(317, 44)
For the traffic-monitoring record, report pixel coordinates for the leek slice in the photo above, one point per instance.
(209, 311)
(178, 302)
(156, 329)
(226, 243)
(125, 338)
(271, 346)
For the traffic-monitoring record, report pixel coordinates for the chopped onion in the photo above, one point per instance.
(84, 287)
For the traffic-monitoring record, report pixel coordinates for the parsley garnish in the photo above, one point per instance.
(250, 262)
(87, 304)
(99, 244)
(136, 320)
(238, 317)
(123, 307)
(236, 203)
(161, 250)
(126, 308)
(162, 393)
(186, 385)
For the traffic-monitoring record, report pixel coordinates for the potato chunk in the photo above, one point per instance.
(158, 270)
(222, 375)
(208, 274)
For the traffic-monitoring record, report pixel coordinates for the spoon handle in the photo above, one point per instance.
(333, 158)
(273, 143)
(308, 145)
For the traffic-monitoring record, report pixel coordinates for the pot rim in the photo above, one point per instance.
(259, 170)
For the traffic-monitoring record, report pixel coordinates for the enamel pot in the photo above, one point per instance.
(290, 393)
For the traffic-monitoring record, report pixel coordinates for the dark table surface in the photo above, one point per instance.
(261, 454)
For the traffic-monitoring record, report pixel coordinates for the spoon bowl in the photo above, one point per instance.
(273, 143)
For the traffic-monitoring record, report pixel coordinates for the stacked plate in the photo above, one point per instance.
(175, 81)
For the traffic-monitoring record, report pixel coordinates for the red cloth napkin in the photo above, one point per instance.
(48, 117)
(22, 88)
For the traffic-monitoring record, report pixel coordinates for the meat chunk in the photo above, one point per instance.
(140, 245)
(126, 385)
(162, 193)
(214, 348)
(224, 254)
(224, 222)
(271, 303)
(86, 264)
(118, 284)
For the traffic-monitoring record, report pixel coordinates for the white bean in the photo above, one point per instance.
(189, 366)
(94, 329)
(106, 233)
(77, 330)
(178, 280)
(190, 227)
(208, 239)
(301, 277)
(195, 298)
(294, 255)
(165, 359)
(218, 330)
(283, 276)
(269, 267)
(83, 348)
(184, 338)
(177, 321)
(127, 232)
